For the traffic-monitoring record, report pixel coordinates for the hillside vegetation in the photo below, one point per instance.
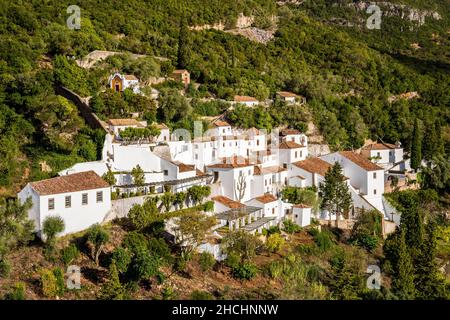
(346, 73)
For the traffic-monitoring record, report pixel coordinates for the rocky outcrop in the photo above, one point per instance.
(400, 10)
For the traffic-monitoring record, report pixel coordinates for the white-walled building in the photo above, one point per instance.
(309, 172)
(301, 214)
(164, 135)
(246, 101)
(120, 82)
(366, 177)
(80, 199)
(383, 154)
(118, 125)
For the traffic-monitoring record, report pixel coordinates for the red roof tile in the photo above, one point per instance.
(228, 202)
(81, 181)
(289, 145)
(360, 160)
(267, 198)
(313, 165)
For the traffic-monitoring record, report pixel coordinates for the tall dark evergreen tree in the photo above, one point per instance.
(431, 146)
(334, 192)
(429, 282)
(183, 45)
(416, 146)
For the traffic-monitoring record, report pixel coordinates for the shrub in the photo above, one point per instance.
(135, 242)
(52, 226)
(69, 254)
(323, 240)
(245, 271)
(367, 241)
(5, 268)
(160, 248)
(60, 283)
(290, 227)
(275, 269)
(201, 295)
(49, 283)
(208, 206)
(168, 293)
(274, 242)
(206, 261)
(232, 260)
(122, 259)
(17, 292)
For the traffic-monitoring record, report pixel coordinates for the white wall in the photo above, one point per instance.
(302, 216)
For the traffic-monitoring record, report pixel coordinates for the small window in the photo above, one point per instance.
(293, 139)
(301, 154)
(84, 199)
(378, 154)
(214, 154)
(100, 196)
(68, 201)
(257, 142)
(273, 210)
(223, 130)
(265, 182)
(249, 172)
(374, 175)
(374, 191)
(166, 172)
(196, 156)
(295, 154)
(51, 204)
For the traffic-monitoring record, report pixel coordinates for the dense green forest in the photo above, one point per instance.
(346, 73)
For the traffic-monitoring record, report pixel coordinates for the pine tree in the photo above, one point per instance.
(431, 145)
(183, 49)
(336, 197)
(416, 147)
(112, 289)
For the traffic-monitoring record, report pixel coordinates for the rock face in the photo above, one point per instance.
(400, 10)
(243, 27)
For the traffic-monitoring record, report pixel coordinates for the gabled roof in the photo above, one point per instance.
(182, 167)
(220, 123)
(125, 122)
(267, 170)
(179, 71)
(289, 145)
(287, 94)
(301, 205)
(313, 165)
(228, 202)
(360, 160)
(245, 99)
(380, 146)
(81, 181)
(232, 163)
(254, 131)
(267, 198)
(286, 132)
(160, 126)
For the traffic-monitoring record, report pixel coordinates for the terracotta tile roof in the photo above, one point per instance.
(254, 131)
(228, 202)
(179, 71)
(271, 169)
(286, 94)
(125, 122)
(182, 167)
(289, 145)
(360, 160)
(199, 173)
(301, 205)
(300, 177)
(81, 181)
(130, 77)
(220, 123)
(244, 99)
(257, 171)
(313, 165)
(286, 132)
(380, 146)
(233, 162)
(267, 198)
(160, 126)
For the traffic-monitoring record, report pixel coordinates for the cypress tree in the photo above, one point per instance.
(428, 281)
(336, 197)
(430, 148)
(416, 147)
(183, 49)
(403, 271)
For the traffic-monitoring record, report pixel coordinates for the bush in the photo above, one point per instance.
(122, 259)
(161, 248)
(232, 260)
(168, 293)
(274, 242)
(206, 261)
(5, 268)
(17, 292)
(290, 227)
(245, 271)
(135, 242)
(69, 254)
(201, 295)
(323, 240)
(49, 284)
(275, 269)
(366, 241)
